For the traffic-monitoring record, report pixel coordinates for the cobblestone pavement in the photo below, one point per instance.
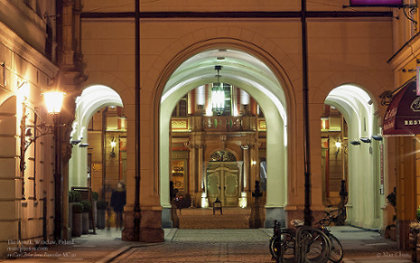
(199, 252)
(198, 245)
(246, 245)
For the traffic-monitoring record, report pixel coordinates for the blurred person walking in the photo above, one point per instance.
(118, 199)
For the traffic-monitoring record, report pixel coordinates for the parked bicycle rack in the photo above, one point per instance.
(310, 245)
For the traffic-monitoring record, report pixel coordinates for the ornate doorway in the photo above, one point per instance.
(223, 182)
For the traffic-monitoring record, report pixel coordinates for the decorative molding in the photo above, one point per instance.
(17, 45)
(179, 124)
(222, 156)
(262, 125)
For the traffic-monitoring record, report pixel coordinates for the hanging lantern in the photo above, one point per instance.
(218, 98)
(218, 94)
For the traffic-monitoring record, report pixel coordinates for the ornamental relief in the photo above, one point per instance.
(222, 156)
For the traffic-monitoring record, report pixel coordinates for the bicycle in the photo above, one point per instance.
(337, 252)
(282, 243)
(286, 244)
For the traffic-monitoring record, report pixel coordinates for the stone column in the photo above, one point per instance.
(200, 165)
(192, 156)
(245, 186)
(69, 80)
(406, 188)
(245, 174)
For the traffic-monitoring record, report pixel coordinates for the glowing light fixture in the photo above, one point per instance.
(23, 90)
(218, 94)
(54, 101)
(338, 144)
(113, 144)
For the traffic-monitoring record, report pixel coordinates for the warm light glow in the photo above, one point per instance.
(218, 98)
(54, 101)
(245, 98)
(338, 144)
(24, 90)
(243, 203)
(204, 200)
(200, 95)
(113, 144)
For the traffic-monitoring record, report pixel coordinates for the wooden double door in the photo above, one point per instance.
(223, 182)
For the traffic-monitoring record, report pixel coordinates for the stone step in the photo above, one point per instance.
(234, 218)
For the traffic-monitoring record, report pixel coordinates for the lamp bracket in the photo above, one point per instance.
(42, 130)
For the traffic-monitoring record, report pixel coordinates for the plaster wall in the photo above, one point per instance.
(23, 62)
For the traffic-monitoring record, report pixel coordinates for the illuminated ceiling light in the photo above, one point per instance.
(377, 137)
(355, 142)
(218, 94)
(365, 140)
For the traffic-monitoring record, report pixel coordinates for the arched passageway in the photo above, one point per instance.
(362, 148)
(252, 76)
(105, 103)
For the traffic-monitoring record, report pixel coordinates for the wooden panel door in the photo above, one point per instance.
(223, 183)
(214, 185)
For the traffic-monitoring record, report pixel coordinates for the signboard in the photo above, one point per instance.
(403, 114)
(390, 3)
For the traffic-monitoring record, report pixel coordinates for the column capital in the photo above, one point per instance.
(245, 147)
(199, 146)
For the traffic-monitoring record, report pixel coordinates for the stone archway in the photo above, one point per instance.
(259, 81)
(364, 202)
(91, 100)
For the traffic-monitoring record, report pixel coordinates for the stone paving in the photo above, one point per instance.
(187, 245)
(215, 245)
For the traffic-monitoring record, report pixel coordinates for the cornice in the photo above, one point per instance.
(409, 51)
(13, 42)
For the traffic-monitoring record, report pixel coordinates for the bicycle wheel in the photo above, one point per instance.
(337, 253)
(282, 246)
(315, 245)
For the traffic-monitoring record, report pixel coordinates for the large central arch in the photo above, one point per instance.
(255, 77)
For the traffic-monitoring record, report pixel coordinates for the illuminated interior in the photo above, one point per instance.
(251, 76)
(93, 99)
(350, 124)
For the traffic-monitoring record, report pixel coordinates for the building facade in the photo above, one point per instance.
(27, 70)
(401, 119)
(260, 50)
(204, 100)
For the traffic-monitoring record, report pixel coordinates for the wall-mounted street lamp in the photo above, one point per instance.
(113, 145)
(338, 145)
(29, 134)
(54, 101)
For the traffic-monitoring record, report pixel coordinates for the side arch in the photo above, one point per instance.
(92, 99)
(358, 109)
